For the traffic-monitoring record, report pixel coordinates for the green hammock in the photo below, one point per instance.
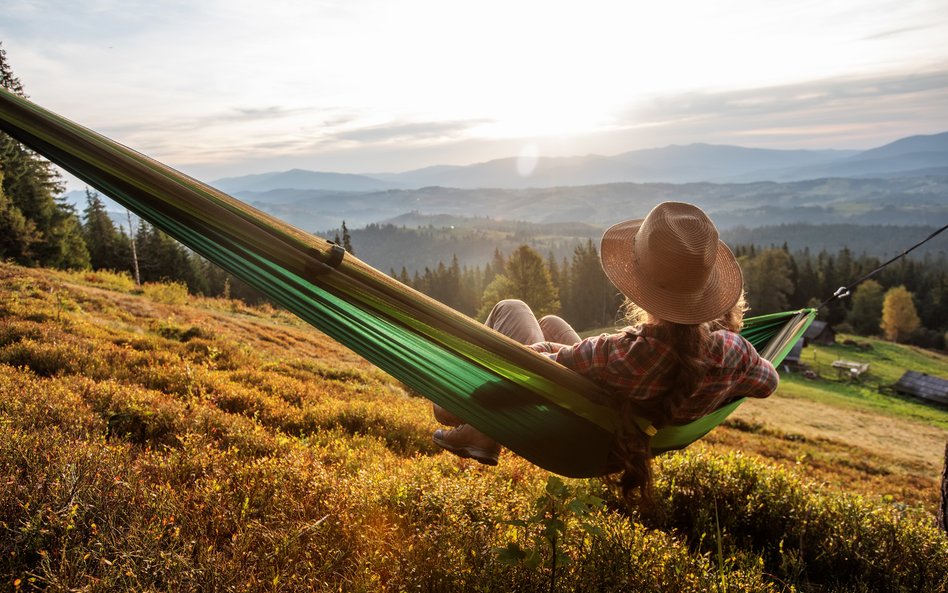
(540, 410)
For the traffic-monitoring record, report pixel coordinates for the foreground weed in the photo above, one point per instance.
(558, 506)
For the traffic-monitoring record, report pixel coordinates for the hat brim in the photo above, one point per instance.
(717, 296)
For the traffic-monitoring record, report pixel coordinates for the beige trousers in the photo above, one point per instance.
(514, 319)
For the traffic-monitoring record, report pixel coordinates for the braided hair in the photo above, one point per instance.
(689, 345)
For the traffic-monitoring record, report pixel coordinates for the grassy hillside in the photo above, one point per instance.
(152, 441)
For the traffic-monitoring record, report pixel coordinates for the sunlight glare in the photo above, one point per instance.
(527, 159)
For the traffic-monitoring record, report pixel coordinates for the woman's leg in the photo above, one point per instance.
(515, 320)
(555, 329)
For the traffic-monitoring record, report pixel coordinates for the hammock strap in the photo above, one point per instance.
(844, 291)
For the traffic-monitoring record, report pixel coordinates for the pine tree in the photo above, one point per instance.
(346, 239)
(526, 278)
(767, 281)
(108, 248)
(161, 258)
(31, 185)
(7, 79)
(17, 234)
(591, 300)
(495, 267)
(866, 313)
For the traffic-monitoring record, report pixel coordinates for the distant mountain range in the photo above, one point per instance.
(566, 200)
(912, 156)
(300, 179)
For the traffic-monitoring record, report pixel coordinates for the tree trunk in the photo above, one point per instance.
(131, 234)
(943, 507)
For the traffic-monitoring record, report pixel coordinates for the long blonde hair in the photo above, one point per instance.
(689, 344)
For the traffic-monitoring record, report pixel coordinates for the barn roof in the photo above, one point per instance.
(815, 329)
(795, 352)
(924, 386)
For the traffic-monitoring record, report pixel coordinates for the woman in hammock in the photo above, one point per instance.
(680, 358)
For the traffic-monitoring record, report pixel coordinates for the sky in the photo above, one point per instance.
(231, 87)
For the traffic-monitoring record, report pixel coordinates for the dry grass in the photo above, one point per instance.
(146, 445)
(850, 449)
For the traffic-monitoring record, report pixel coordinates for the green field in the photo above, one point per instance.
(152, 441)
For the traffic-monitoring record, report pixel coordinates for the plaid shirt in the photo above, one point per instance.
(634, 363)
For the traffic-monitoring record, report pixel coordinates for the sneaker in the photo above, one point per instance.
(445, 417)
(468, 442)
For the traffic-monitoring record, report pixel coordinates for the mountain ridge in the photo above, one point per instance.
(674, 163)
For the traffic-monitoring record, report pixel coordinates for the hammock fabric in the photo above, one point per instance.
(540, 410)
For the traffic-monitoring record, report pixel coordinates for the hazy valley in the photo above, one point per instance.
(877, 202)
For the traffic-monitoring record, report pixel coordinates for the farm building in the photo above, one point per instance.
(923, 386)
(819, 332)
(792, 360)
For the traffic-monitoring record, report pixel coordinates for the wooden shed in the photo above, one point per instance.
(927, 387)
(792, 360)
(819, 332)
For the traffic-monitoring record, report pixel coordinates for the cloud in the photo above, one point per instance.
(792, 98)
(895, 32)
(402, 132)
(833, 111)
(257, 113)
(229, 117)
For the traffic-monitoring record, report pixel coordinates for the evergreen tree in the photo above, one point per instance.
(346, 239)
(161, 258)
(495, 267)
(7, 79)
(526, 278)
(472, 288)
(866, 313)
(31, 185)
(17, 234)
(108, 248)
(591, 300)
(767, 281)
(808, 283)
(899, 317)
(933, 293)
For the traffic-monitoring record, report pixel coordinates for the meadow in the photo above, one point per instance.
(155, 441)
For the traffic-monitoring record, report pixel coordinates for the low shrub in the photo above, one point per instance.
(803, 535)
(119, 281)
(169, 293)
(66, 355)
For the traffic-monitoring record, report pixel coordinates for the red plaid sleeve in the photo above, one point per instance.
(634, 364)
(756, 376)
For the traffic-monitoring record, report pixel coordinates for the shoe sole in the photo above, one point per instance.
(474, 453)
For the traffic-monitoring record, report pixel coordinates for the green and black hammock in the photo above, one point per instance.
(540, 410)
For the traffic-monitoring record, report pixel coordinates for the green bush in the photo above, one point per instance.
(804, 535)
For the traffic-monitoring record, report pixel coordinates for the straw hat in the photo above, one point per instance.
(672, 264)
